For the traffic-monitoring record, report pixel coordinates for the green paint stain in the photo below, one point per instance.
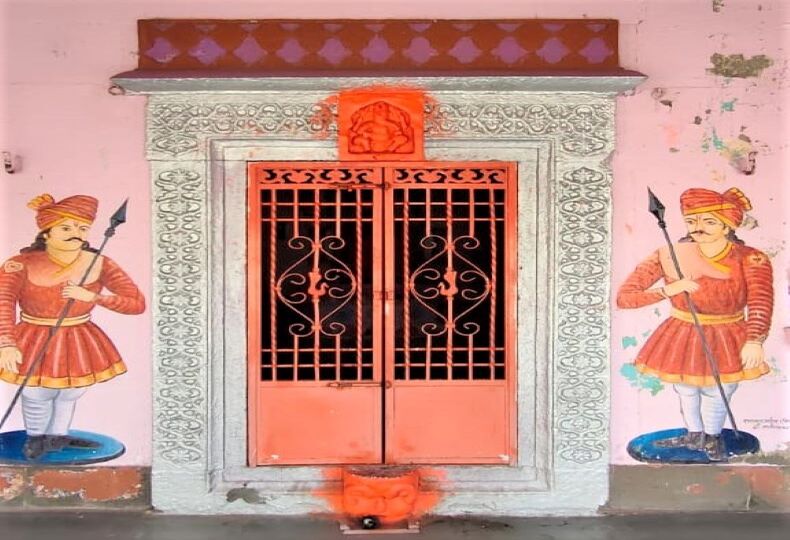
(728, 106)
(657, 312)
(629, 341)
(640, 381)
(738, 66)
(718, 144)
(645, 334)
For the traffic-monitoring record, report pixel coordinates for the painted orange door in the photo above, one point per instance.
(380, 312)
(314, 322)
(450, 347)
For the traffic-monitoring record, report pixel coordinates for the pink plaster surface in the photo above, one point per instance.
(74, 137)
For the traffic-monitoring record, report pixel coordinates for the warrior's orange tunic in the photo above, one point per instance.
(80, 354)
(674, 351)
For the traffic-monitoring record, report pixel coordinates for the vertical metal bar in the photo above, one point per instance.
(428, 341)
(494, 268)
(406, 289)
(448, 219)
(471, 343)
(384, 239)
(317, 270)
(360, 280)
(337, 210)
(273, 280)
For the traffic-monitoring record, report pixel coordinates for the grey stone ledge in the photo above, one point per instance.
(160, 83)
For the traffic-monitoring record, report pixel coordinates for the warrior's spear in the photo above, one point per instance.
(657, 209)
(117, 218)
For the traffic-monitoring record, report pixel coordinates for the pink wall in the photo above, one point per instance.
(76, 138)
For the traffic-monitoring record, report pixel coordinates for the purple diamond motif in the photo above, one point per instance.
(465, 50)
(420, 50)
(207, 51)
(375, 27)
(291, 51)
(509, 50)
(508, 27)
(596, 27)
(332, 27)
(162, 51)
(333, 51)
(553, 50)
(249, 51)
(249, 27)
(464, 27)
(377, 50)
(596, 51)
(553, 27)
(290, 27)
(420, 27)
(162, 26)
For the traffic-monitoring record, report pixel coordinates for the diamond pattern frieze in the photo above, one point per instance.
(359, 45)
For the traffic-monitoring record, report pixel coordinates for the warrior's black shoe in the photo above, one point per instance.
(55, 443)
(693, 440)
(35, 446)
(714, 447)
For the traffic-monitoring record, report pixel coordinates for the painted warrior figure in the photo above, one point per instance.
(40, 281)
(731, 286)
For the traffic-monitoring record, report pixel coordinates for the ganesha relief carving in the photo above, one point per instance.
(380, 128)
(373, 125)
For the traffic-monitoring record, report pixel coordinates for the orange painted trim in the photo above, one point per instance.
(511, 299)
(706, 380)
(253, 312)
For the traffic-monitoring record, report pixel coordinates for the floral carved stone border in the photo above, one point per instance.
(580, 127)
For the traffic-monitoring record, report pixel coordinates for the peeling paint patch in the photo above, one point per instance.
(738, 66)
(640, 381)
(739, 152)
(695, 489)
(12, 484)
(717, 5)
(91, 485)
(767, 486)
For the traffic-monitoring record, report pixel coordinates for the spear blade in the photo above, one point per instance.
(120, 215)
(655, 206)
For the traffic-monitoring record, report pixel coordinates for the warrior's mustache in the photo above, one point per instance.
(701, 233)
(78, 239)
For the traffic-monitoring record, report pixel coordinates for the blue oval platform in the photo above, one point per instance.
(11, 443)
(642, 448)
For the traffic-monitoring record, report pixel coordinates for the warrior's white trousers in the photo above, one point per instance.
(702, 407)
(48, 411)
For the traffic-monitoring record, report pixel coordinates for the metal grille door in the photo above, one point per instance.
(448, 232)
(380, 312)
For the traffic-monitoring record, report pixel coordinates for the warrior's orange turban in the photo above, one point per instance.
(729, 206)
(49, 212)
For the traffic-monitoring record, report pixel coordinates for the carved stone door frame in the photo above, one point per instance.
(200, 137)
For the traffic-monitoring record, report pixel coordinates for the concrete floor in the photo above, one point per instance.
(123, 526)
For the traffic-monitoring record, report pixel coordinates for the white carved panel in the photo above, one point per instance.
(574, 133)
